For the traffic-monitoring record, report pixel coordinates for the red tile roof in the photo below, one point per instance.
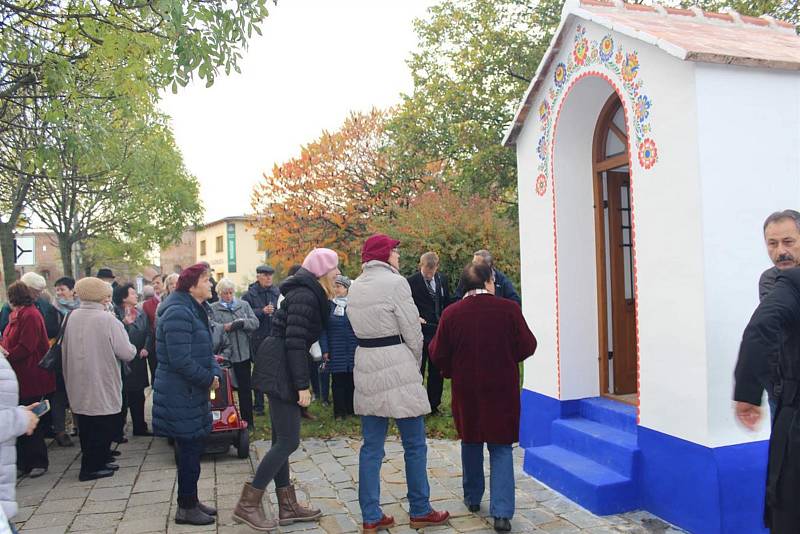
(688, 34)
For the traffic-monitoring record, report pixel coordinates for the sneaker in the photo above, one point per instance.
(433, 519)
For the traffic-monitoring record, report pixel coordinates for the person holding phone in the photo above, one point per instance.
(185, 374)
(281, 371)
(15, 421)
(25, 342)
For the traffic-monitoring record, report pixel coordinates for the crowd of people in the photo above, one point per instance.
(361, 347)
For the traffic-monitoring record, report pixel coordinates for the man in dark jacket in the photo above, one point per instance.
(503, 286)
(769, 358)
(782, 237)
(431, 293)
(262, 296)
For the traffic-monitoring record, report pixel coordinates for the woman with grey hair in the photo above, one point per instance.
(239, 322)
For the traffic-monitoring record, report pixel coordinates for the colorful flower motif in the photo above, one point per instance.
(542, 148)
(618, 57)
(648, 153)
(541, 185)
(642, 108)
(606, 48)
(560, 75)
(630, 68)
(580, 51)
(544, 110)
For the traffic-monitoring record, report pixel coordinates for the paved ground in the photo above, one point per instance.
(141, 497)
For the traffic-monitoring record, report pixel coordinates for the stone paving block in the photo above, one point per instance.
(346, 495)
(330, 506)
(584, 519)
(468, 524)
(160, 510)
(31, 499)
(338, 524)
(158, 485)
(105, 522)
(125, 476)
(45, 530)
(101, 507)
(538, 516)
(559, 526)
(57, 506)
(153, 523)
(140, 499)
(322, 491)
(62, 519)
(24, 513)
(109, 494)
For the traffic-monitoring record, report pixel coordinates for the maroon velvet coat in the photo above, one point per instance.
(25, 339)
(479, 344)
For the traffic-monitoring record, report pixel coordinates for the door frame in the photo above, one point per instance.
(600, 164)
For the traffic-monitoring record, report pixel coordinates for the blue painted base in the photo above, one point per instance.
(592, 451)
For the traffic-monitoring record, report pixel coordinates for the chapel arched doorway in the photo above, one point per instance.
(614, 244)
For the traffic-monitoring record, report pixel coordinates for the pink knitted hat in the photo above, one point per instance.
(321, 261)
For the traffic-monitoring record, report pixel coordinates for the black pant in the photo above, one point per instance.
(152, 363)
(97, 432)
(133, 401)
(343, 389)
(285, 420)
(313, 377)
(241, 370)
(435, 380)
(189, 451)
(32, 450)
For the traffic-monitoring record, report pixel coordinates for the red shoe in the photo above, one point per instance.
(431, 520)
(386, 522)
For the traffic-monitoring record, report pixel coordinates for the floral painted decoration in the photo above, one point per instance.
(624, 65)
(541, 185)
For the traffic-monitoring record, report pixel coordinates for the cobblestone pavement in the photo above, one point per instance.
(140, 498)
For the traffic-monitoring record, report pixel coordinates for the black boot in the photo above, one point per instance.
(192, 516)
(501, 524)
(206, 509)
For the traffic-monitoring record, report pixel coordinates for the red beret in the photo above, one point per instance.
(378, 247)
(190, 276)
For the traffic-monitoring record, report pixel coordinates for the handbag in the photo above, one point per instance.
(51, 361)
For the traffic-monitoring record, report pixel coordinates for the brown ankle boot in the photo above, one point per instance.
(250, 510)
(290, 511)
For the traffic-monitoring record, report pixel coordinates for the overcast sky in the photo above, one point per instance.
(316, 61)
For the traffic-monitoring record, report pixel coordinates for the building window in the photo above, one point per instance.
(220, 242)
(203, 247)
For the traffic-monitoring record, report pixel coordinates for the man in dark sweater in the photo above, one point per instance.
(431, 294)
(262, 295)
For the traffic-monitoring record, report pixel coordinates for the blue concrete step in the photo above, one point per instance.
(597, 488)
(608, 412)
(604, 444)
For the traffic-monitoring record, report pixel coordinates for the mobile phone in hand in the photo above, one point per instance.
(42, 408)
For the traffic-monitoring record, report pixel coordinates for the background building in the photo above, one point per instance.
(230, 246)
(180, 255)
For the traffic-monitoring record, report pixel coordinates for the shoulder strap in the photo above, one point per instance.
(63, 328)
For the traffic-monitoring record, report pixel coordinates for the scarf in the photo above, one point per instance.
(65, 306)
(341, 304)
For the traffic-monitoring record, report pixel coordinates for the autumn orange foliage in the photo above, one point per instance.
(328, 195)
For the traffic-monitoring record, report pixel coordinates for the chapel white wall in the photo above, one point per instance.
(749, 155)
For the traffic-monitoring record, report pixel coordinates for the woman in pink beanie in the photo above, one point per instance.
(281, 371)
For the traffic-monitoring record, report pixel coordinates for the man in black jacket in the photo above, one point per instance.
(503, 286)
(769, 358)
(262, 296)
(431, 294)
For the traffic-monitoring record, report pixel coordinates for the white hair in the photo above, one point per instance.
(148, 292)
(34, 281)
(225, 283)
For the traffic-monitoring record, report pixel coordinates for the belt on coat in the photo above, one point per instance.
(376, 342)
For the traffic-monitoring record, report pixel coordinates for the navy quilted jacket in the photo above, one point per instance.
(340, 342)
(186, 369)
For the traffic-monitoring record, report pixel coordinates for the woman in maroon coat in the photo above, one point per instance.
(25, 343)
(479, 344)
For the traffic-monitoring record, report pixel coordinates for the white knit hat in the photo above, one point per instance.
(34, 281)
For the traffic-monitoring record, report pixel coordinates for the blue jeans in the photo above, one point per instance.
(412, 433)
(189, 451)
(501, 477)
(12, 527)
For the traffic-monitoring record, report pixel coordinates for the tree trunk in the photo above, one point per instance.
(65, 249)
(8, 252)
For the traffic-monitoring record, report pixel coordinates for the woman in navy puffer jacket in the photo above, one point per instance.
(338, 343)
(186, 372)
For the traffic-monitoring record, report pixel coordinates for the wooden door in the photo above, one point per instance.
(621, 292)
